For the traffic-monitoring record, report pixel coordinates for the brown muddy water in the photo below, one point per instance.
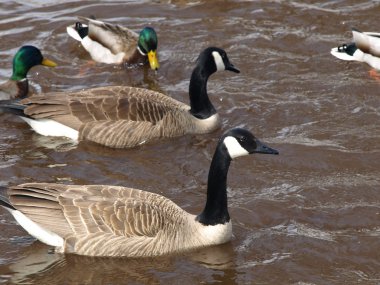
(308, 216)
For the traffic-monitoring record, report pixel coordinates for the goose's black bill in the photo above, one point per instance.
(262, 148)
(231, 67)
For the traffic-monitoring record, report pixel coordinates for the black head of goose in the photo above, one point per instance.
(211, 60)
(100, 220)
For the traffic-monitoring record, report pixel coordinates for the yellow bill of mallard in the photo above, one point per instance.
(48, 62)
(153, 60)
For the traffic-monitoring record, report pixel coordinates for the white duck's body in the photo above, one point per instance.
(114, 44)
(365, 48)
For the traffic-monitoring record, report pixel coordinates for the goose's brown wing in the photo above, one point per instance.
(70, 210)
(40, 203)
(107, 115)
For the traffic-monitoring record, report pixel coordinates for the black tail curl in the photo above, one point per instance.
(82, 31)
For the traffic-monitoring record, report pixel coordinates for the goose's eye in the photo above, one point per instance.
(242, 139)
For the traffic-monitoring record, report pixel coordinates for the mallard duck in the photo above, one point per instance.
(100, 220)
(121, 116)
(114, 44)
(364, 48)
(25, 58)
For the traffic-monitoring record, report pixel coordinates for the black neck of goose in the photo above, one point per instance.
(200, 104)
(216, 210)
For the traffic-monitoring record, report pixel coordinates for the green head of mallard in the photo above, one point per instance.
(147, 45)
(25, 58)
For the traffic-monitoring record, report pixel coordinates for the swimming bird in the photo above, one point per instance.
(123, 117)
(114, 44)
(25, 58)
(98, 220)
(364, 48)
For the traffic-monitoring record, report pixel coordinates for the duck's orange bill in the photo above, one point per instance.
(153, 60)
(48, 62)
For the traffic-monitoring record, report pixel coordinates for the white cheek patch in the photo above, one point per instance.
(234, 148)
(218, 61)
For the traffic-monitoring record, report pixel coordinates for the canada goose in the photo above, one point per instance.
(103, 220)
(108, 43)
(122, 117)
(365, 48)
(25, 58)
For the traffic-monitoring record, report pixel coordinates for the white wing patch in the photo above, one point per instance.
(218, 61)
(36, 230)
(48, 127)
(100, 53)
(234, 148)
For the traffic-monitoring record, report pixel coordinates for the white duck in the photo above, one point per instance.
(364, 48)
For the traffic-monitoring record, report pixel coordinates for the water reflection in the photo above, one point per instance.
(309, 216)
(39, 265)
(215, 257)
